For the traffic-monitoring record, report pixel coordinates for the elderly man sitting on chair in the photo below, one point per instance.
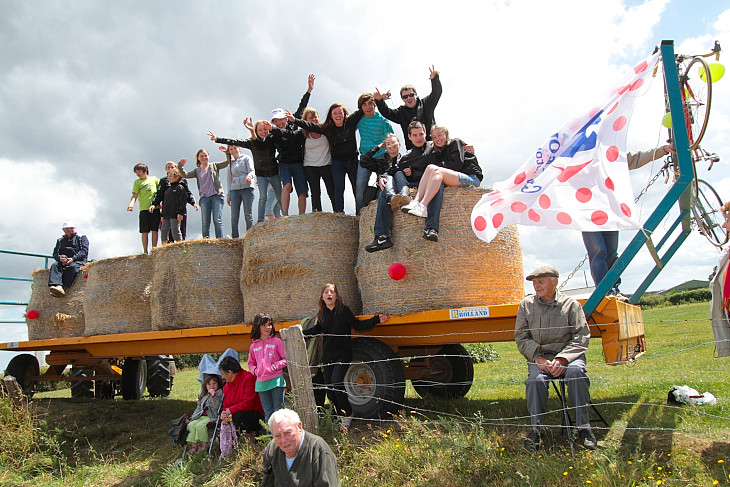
(552, 333)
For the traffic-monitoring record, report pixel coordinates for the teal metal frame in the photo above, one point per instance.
(22, 279)
(678, 192)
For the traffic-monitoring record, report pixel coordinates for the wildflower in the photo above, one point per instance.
(659, 482)
(715, 482)
(588, 482)
(659, 468)
(629, 462)
(721, 461)
(565, 473)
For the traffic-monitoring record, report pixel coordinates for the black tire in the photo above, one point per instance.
(376, 381)
(83, 389)
(452, 372)
(26, 370)
(159, 376)
(707, 214)
(134, 378)
(698, 102)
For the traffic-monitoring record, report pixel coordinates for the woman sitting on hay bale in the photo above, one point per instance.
(458, 167)
(335, 321)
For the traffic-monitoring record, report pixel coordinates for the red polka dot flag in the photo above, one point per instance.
(578, 178)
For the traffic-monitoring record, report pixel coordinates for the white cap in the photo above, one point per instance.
(278, 113)
(68, 224)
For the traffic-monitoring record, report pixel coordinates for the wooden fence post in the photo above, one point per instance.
(302, 392)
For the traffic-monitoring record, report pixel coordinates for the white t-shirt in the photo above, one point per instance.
(317, 152)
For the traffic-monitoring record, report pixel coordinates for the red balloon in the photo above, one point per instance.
(31, 314)
(86, 276)
(397, 271)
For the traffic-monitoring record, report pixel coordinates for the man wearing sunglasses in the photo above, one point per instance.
(414, 108)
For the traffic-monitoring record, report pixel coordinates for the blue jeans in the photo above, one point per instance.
(263, 184)
(340, 169)
(363, 176)
(272, 400)
(212, 206)
(241, 196)
(602, 250)
(384, 216)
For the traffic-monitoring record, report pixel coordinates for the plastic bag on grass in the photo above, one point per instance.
(687, 395)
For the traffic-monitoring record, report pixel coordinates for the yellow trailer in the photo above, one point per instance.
(424, 347)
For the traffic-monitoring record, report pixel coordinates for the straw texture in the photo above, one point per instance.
(457, 271)
(287, 261)
(196, 284)
(57, 317)
(117, 297)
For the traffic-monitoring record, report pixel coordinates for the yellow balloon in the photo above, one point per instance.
(667, 120)
(717, 70)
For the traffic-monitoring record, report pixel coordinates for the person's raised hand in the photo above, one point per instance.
(211, 135)
(310, 83)
(432, 72)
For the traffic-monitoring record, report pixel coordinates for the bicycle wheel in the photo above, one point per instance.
(697, 99)
(706, 212)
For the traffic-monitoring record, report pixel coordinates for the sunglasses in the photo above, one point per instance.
(409, 95)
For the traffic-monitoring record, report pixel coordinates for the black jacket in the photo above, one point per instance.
(174, 202)
(336, 343)
(263, 152)
(455, 157)
(164, 184)
(423, 111)
(417, 159)
(76, 247)
(343, 144)
(380, 165)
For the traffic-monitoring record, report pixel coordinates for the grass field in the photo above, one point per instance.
(476, 440)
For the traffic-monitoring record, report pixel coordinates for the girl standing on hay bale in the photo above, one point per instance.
(339, 128)
(265, 166)
(457, 166)
(317, 162)
(266, 360)
(335, 321)
(210, 189)
(206, 411)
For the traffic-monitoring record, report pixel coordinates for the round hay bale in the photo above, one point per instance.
(117, 298)
(287, 261)
(195, 284)
(457, 271)
(57, 317)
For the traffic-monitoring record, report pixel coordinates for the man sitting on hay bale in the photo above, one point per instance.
(70, 253)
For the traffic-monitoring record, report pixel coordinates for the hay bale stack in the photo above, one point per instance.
(57, 317)
(117, 298)
(287, 261)
(457, 271)
(195, 284)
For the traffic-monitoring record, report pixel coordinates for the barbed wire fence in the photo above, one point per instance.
(409, 410)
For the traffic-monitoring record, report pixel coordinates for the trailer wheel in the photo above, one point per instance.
(159, 376)
(376, 381)
(82, 389)
(24, 368)
(452, 372)
(134, 378)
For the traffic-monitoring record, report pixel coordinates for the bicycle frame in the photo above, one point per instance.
(678, 192)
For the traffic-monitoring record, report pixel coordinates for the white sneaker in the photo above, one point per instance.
(419, 210)
(409, 206)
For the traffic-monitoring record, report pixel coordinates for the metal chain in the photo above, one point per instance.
(663, 170)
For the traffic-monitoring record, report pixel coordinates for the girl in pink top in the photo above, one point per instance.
(266, 360)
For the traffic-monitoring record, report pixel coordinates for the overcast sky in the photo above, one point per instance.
(88, 89)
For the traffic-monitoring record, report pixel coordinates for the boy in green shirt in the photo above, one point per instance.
(144, 190)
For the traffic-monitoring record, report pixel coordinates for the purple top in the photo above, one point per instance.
(205, 183)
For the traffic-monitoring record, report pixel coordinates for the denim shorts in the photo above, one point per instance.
(466, 180)
(295, 171)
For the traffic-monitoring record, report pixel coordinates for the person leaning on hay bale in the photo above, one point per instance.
(70, 253)
(456, 165)
(335, 321)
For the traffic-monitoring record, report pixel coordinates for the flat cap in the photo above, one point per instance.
(543, 271)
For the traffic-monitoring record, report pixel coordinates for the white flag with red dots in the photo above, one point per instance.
(579, 178)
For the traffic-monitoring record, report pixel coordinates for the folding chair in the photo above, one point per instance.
(566, 421)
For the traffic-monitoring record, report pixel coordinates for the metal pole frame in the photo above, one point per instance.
(679, 188)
